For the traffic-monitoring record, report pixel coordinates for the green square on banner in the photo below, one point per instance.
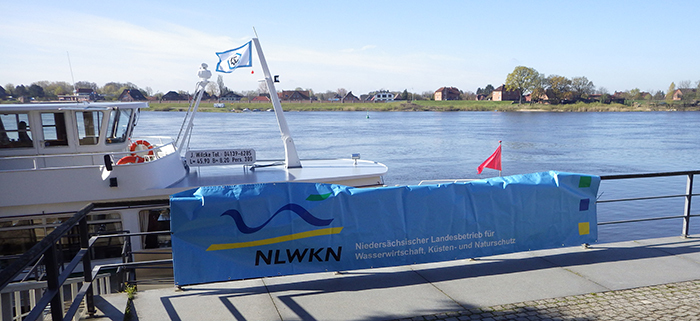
(584, 181)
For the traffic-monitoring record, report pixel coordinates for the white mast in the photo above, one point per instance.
(290, 151)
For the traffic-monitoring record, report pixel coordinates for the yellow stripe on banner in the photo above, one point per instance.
(279, 239)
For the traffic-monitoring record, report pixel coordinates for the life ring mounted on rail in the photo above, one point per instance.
(140, 145)
(141, 151)
(130, 159)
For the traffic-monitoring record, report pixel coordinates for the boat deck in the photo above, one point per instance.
(525, 284)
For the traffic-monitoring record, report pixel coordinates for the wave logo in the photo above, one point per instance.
(295, 208)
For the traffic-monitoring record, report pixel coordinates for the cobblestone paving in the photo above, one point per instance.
(675, 301)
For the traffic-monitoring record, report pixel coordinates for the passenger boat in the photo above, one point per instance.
(57, 158)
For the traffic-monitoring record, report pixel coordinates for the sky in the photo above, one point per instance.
(360, 46)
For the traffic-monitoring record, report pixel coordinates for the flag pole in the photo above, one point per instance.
(500, 170)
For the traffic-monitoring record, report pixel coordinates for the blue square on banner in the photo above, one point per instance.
(583, 206)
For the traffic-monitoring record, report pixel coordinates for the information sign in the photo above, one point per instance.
(220, 157)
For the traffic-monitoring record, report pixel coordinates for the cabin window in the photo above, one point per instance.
(88, 127)
(15, 131)
(54, 127)
(155, 220)
(118, 125)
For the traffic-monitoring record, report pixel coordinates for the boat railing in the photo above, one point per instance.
(164, 146)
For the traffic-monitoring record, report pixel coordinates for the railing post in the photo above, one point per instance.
(686, 210)
(87, 265)
(51, 264)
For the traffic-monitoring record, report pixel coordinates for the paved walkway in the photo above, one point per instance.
(675, 301)
(638, 280)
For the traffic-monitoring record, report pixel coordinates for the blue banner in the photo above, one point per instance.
(245, 231)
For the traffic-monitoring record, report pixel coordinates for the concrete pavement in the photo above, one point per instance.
(603, 281)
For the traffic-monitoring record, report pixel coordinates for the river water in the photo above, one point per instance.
(450, 145)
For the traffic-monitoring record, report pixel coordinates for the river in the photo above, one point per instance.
(450, 145)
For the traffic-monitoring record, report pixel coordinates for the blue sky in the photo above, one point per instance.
(357, 45)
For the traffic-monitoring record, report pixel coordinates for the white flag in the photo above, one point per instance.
(234, 58)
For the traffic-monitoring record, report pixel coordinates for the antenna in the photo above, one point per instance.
(75, 90)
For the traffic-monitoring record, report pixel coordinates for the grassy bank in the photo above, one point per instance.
(418, 105)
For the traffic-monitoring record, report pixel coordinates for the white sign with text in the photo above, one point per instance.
(220, 157)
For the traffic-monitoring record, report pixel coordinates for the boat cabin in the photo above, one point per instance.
(45, 129)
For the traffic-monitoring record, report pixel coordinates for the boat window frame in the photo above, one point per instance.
(84, 139)
(116, 122)
(7, 141)
(60, 129)
(150, 221)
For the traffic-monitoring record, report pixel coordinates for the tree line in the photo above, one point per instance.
(524, 80)
(51, 90)
(560, 89)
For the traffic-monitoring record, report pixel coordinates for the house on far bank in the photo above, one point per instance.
(290, 95)
(171, 95)
(349, 98)
(81, 94)
(231, 96)
(679, 93)
(261, 99)
(501, 94)
(447, 93)
(131, 95)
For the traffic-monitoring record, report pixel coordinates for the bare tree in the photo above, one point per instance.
(262, 87)
(212, 89)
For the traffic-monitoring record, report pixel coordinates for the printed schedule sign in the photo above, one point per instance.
(220, 157)
(245, 231)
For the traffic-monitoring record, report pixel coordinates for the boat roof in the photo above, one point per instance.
(72, 106)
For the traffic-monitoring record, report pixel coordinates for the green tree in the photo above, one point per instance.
(21, 91)
(659, 95)
(669, 93)
(559, 88)
(581, 87)
(9, 89)
(540, 88)
(522, 80)
(635, 94)
(35, 91)
(86, 84)
(486, 91)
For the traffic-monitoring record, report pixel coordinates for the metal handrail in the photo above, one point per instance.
(55, 280)
(688, 197)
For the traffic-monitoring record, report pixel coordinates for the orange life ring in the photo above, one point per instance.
(130, 159)
(141, 145)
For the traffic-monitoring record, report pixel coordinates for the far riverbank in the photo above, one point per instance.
(426, 105)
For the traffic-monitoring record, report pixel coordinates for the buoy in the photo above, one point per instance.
(130, 159)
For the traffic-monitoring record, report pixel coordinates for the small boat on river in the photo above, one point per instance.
(57, 158)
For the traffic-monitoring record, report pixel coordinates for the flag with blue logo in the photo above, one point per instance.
(235, 58)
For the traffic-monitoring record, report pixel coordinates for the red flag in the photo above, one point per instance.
(494, 161)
